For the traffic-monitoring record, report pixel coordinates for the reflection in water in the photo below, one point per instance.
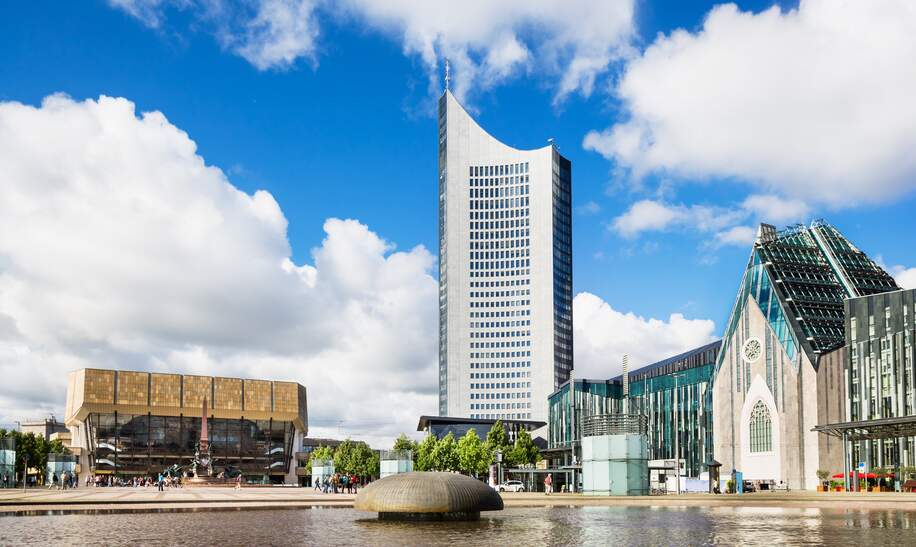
(516, 526)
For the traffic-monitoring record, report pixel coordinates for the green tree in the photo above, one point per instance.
(355, 458)
(403, 443)
(525, 451)
(344, 457)
(424, 458)
(445, 455)
(36, 448)
(372, 468)
(322, 453)
(497, 439)
(473, 455)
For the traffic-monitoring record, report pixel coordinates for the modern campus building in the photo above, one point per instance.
(781, 368)
(140, 423)
(672, 394)
(881, 384)
(505, 272)
(440, 426)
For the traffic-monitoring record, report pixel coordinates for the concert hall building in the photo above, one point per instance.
(129, 423)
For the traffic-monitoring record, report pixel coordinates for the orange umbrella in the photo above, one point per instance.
(861, 475)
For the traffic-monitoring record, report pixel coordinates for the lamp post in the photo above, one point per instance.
(499, 467)
(25, 469)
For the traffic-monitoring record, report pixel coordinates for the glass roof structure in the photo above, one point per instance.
(799, 277)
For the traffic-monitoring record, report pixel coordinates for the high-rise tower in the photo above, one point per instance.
(505, 272)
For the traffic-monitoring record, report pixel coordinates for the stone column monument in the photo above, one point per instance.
(202, 460)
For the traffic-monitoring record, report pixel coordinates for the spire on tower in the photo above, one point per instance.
(447, 76)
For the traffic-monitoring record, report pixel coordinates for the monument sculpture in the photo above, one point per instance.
(202, 460)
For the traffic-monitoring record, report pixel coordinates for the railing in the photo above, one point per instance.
(389, 455)
(614, 424)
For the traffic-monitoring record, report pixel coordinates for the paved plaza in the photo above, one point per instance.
(150, 499)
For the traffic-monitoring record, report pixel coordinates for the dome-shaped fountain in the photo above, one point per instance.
(428, 496)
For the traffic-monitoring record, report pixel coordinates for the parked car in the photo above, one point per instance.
(511, 486)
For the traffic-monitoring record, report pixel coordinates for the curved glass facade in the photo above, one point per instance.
(671, 394)
(144, 444)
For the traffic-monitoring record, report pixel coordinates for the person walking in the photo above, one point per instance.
(238, 482)
(548, 484)
(53, 482)
(161, 483)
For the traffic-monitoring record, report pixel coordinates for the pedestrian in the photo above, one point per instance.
(238, 482)
(548, 484)
(318, 483)
(161, 482)
(53, 481)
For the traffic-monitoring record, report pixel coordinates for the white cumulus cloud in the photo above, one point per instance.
(603, 335)
(656, 215)
(121, 248)
(906, 277)
(742, 236)
(651, 215)
(487, 41)
(815, 103)
(279, 33)
(773, 209)
(571, 42)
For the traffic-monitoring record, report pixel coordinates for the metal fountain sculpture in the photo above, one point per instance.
(202, 459)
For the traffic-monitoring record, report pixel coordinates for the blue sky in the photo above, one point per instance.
(306, 133)
(346, 129)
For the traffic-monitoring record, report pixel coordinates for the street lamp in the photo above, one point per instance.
(25, 469)
(499, 467)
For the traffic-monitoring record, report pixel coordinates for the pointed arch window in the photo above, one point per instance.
(761, 428)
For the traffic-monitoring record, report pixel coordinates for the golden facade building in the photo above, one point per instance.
(140, 423)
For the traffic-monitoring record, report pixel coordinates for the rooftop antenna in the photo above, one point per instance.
(626, 383)
(448, 78)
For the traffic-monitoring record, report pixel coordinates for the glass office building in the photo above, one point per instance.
(671, 394)
(880, 378)
(139, 423)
